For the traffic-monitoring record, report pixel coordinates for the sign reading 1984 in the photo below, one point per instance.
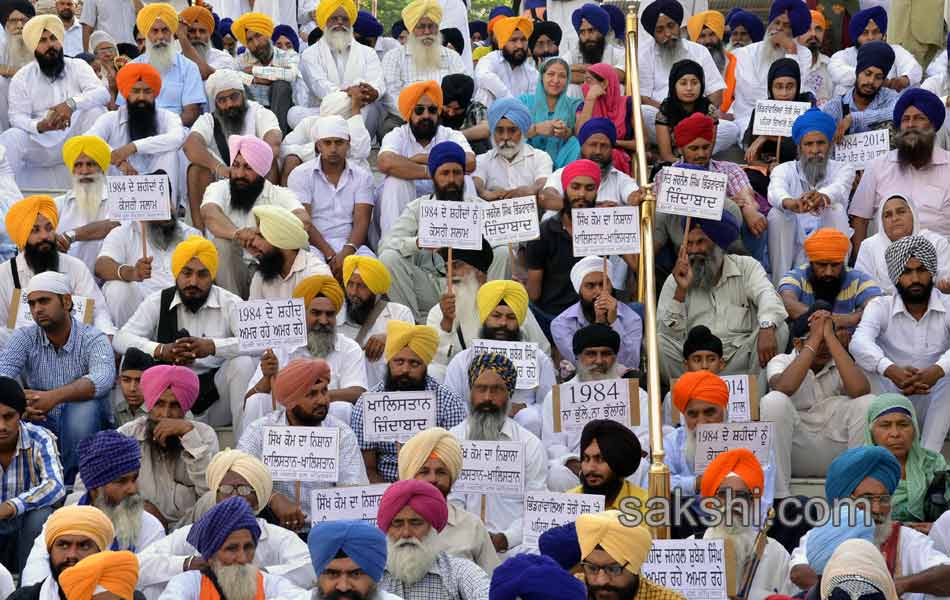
(576, 404)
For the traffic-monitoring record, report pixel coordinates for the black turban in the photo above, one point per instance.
(700, 338)
(785, 67)
(548, 28)
(618, 445)
(458, 87)
(596, 335)
(453, 36)
(8, 6)
(479, 259)
(651, 15)
(12, 394)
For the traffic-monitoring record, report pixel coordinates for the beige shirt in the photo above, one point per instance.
(466, 537)
(306, 264)
(812, 399)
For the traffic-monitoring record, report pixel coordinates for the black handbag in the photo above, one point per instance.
(935, 501)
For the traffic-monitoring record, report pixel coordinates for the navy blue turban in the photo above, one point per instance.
(617, 20)
(560, 543)
(597, 125)
(224, 27)
(366, 25)
(798, 14)
(454, 37)
(288, 32)
(723, 233)
(106, 456)
(670, 8)
(210, 532)
(813, 119)
(480, 27)
(504, 11)
(534, 577)
(860, 21)
(363, 543)
(846, 472)
(875, 54)
(593, 14)
(396, 30)
(752, 23)
(925, 101)
(445, 152)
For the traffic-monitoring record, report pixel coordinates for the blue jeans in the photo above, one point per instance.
(74, 422)
(758, 247)
(17, 536)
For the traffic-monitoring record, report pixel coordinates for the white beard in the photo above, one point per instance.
(690, 450)
(466, 307)
(89, 196)
(17, 52)
(509, 150)
(126, 518)
(409, 560)
(768, 54)
(238, 582)
(338, 41)
(743, 541)
(201, 48)
(425, 58)
(882, 531)
(588, 374)
(160, 56)
(670, 57)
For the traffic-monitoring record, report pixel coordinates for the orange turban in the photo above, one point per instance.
(117, 572)
(200, 14)
(22, 216)
(712, 19)
(504, 28)
(819, 19)
(133, 73)
(827, 245)
(411, 94)
(295, 380)
(741, 462)
(700, 385)
(319, 285)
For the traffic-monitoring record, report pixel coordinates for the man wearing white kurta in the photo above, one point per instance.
(507, 71)
(298, 146)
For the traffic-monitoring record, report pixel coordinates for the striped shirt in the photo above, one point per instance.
(34, 478)
(449, 578)
(857, 289)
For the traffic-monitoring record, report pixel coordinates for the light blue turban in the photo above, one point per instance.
(362, 542)
(511, 109)
(852, 466)
(824, 540)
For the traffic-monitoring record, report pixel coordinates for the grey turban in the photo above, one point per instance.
(899, 252)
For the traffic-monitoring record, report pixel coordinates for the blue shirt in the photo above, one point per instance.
(856, 289)
(879, 110)
(628, 324)
(181, 85)
(34, 478)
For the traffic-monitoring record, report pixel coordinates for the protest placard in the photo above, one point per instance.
(775, 117)
(575, 404)
(606, 231)
(445, 224)
(523, 355)
(859, 149)
(138, 197)
(302, 453)
(355, 503)
(694, 568)
(491, 468)
(266, 324)
(397, 416)
(20, 315)
(692, 193)
(712, 439)
(510, 220)
(545, 510)
(743, 399)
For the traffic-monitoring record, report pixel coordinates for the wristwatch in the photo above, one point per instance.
(70, 235)
(71, 103)
(765, 324)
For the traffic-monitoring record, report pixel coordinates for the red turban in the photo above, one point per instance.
(580, 168)
(132, 73)
(741, 462)
(697, 125)
(421, 496)
(700, 385)
(294, 381)
(827, 245)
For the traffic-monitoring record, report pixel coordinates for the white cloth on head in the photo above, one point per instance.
(258, 121)
(222, 80)
(333, 126)
(583, 268)
(300, 143)
(98, 37)
(49, 281)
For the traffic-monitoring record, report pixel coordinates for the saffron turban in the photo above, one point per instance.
(258, 153)
(827, 245)
(182, 381)
(92, 146)
(819, 19)
(34, 28)
(257, 22)
(360, 541)
(923, 100)
(911, 246)
(493, 293)
(859, 22)
(741, 462)
(49, 281)
(824, 540)
(875, 54)
(195, 247)
(701, 339)
(371, 270)
(366, 25)
(326, 8)
(651, 15)
(446, 152)
(630, 545)
(106, 456)
(415, 10)
(210, 532)
(506, 27)
(722, 232)
(751, 23)
(496, 14)
(84, 520)
(534, 577)
(117, 572)
(222, 80)
(852, 466)
(813, 119)
(288, 32)
(319, 285)
(700, 385)
(595, 335)
(245, 465)
(712, 19)
(597, 125)
(421, 496)
(493, 361)
(857, 567)
(198, 14)
(22, 216)
(583, 268)
(133, 73)
(593, 14)
(512, 109)
(560, 543)
(280, 227)
(580, 168)
(434, 442)
(619, 446)
(693, 127)
(153, 12)
(411, 94)
(421, 339)
(295, 380)
(798, 15)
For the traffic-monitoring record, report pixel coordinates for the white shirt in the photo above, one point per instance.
(401, 141)
(384, 44)
(327, 71)
(115, 18)
(938, 66)
(347, 364)
(819, 81)
(498, 173)
(305, 264)
(32, 94)
(113, 127)
(456, 379)
(613, 55)
(219, 59)
(187, 586)
(615, 187)
(300, 141)
(752, 78)
(258, 121)
(495, 78)
(504, 514)
(72, 45)
(655, 77)
(844, 62)
(124, 245)
(70, 218)
(375, 370)
(281, 11)
(400, 71)
(787, 181)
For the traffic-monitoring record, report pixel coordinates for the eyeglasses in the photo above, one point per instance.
(234, 96)
(871, 499)
(733, 495)
(614, 570)
(231, 490)
(421, 110)
(20, 20)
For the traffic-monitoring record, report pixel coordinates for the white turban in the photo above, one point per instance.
(330, 127)
(98, 37)
(49, 281)
(583, 268)
(336, 103)
(221, 80)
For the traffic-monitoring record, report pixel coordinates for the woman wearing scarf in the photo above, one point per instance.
(604, 98)
(553, 114)
(785, 84)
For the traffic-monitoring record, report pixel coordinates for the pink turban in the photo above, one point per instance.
(295, 380)
(182, 381)
(421, 496)
(255, 151)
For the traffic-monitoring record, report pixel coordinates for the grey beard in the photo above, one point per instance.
(408, 560)
(719, 56)
(230, 126)
(706, 268)
(882, 531)
(671, 54)
(486, 426)
(201, 48)
(321, 343)
(126, 518)
(915, 146)
(18, 54)
(509, 150)
(89, 196)
(743, 541)
(768, 54)
(161, 238)
(425, 58)
(238, 582)
(813, 169)
(338, 41)
(590, 374)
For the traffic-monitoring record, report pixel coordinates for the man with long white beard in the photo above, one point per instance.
(492, 378)
(348, 558)
(512, 168)
(13, 50)
(869, 475)
(507, 71)
(745, 28)
(195, 40)
(412, 513)
(818, 81)
(269, 73)
(109, 465)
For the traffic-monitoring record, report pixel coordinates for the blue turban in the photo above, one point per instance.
(224, 28)
(860, 21)
(752, 23)
(534, 577)
(288, 32)
(852, 466)
(362, 542)
(209, 533)
(875, 54)
(478, 27)
(445, 152)
(671, 8)
(593, 14)
(723, 233)
(617, 21)
(597, 125)
(106, 456)
(366, 25)
(560, 543)
(396, 30)
(502, 10)
(925, 101)
(798, 14)
(824, 540)
(813, 119)
(512, 109)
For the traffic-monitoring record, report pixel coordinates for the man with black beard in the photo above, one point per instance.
(283, 255)
(268, 71)
(868, 104)
(464, 114)
(610, 452)
(818, 81)
(707, 29)
(506, 72)
(595, 44)
(544, 41)
(195, 40)
(409, 350)
(13, 51)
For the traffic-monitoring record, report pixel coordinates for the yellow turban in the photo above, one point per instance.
(153, 12)
(258, 22)
(504, 28)
(319, 285)
(417, 9)
(200, 14)
(247, 467)
(374, 273)
(712, 19)
(34, 28)
(117, 572)
(480, 52)
(22, 216)
(86, 521)
(630, 545)
(434, 442)
(328, 7)
(195, 247)
(493, 293)
(411, 94)
(281, 228)
(421, 339)
(92, 146)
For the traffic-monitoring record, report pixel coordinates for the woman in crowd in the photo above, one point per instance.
(604, 98)
(785, 84)
(553, 113)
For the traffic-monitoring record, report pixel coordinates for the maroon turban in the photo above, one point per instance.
(421, 496)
